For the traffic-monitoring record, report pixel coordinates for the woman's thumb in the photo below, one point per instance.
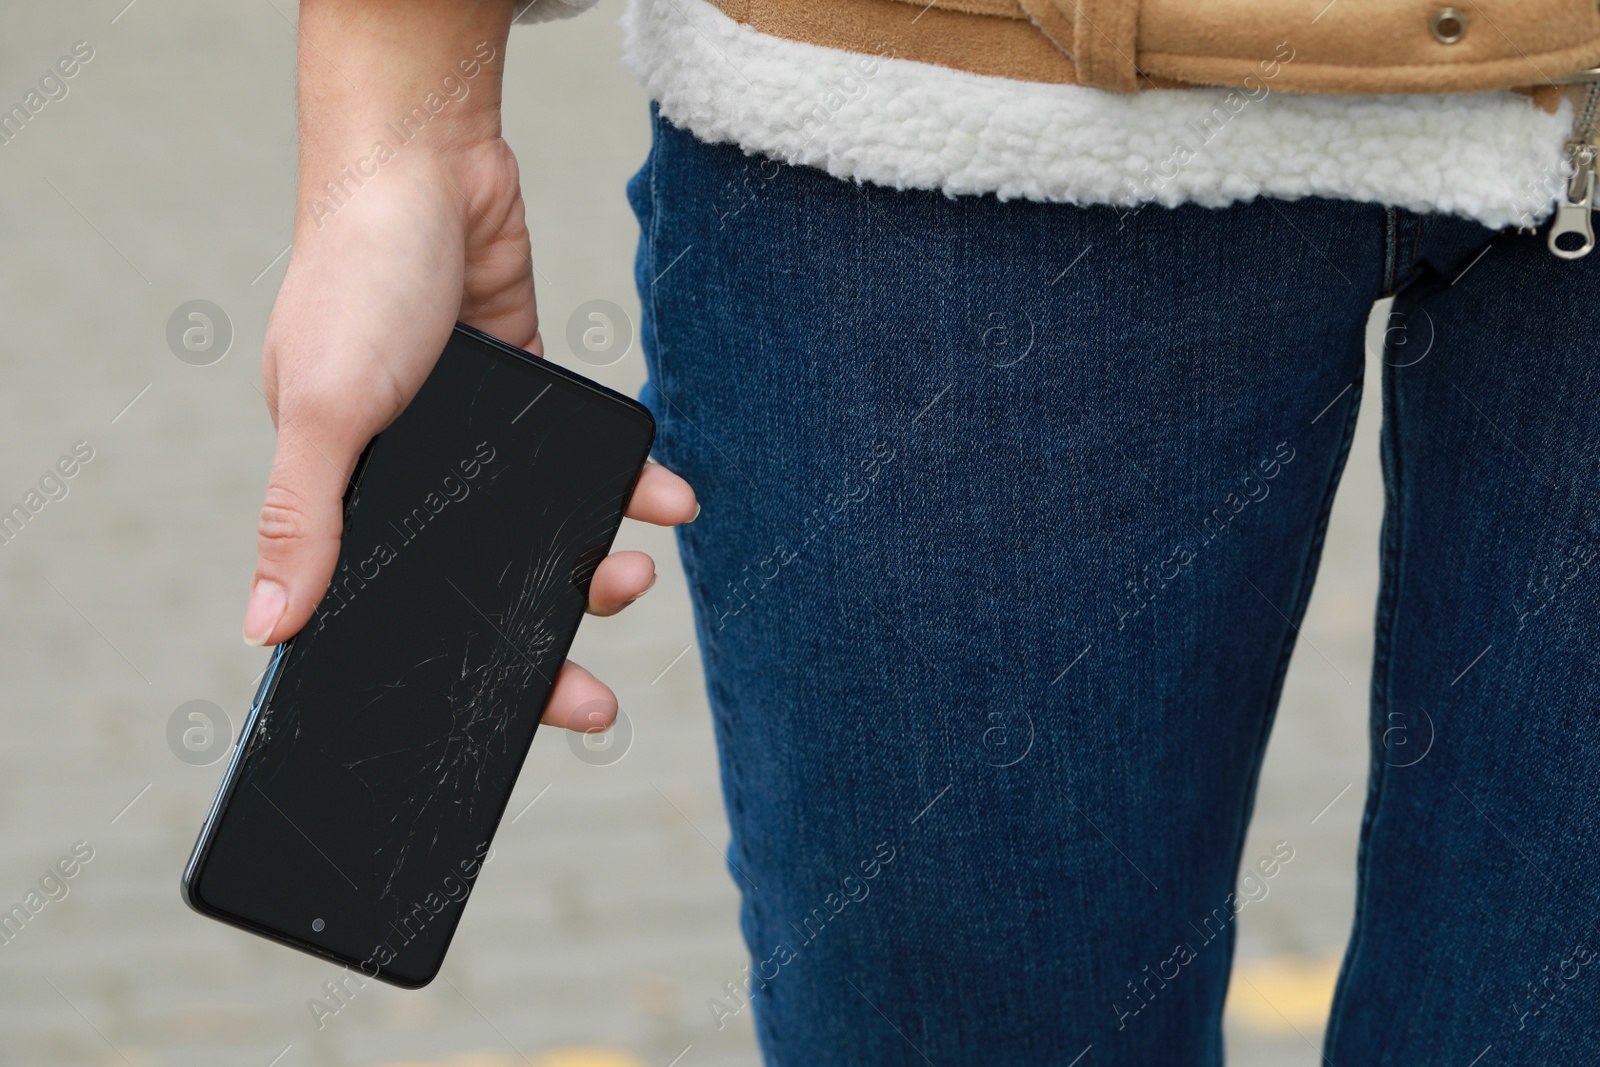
(298, 536)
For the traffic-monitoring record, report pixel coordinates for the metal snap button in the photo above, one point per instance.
(1448, 25)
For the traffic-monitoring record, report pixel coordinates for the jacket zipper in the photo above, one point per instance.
(1583, 155)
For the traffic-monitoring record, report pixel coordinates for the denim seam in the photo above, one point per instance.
(1382, 681)
(1390, 249)
(651, 242)
(1406, 257)
(751, 918)
(686, 547)
(1303, 585)
(1416, 245)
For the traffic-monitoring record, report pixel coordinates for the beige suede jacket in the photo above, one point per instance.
(1340, 46)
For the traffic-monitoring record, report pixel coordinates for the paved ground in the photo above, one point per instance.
(166, 175)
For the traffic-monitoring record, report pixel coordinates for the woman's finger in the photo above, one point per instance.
(621, 578)
(580, 701)
(662, 498)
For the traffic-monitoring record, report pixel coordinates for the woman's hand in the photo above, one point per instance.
(395, 241)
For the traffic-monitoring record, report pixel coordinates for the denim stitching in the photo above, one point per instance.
(1416, 245)
(1303, 587)
(751, 913)
(1387, 617)
(1389, 250)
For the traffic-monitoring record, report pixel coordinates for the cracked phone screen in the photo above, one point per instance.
(367, 785)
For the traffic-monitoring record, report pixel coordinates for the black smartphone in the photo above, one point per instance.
(385, 738)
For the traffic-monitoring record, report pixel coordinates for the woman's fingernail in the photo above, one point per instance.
(640, 595)
(268, 602)
(696, 514)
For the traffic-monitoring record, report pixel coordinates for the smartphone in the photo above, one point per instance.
(382, 746)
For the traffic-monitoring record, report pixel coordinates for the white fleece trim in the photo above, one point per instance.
(1493, 157)
(550, 10)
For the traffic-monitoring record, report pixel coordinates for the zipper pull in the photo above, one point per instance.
(1573, 216)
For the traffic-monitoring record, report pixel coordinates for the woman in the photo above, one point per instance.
(1016, 376)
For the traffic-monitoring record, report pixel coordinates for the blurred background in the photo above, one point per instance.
(164, 176)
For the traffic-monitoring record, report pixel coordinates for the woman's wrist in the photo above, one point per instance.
(390, 87)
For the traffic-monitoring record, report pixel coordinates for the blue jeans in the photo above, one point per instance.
(1011, 511)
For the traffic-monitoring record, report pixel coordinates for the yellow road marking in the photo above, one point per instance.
(1282, 994)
